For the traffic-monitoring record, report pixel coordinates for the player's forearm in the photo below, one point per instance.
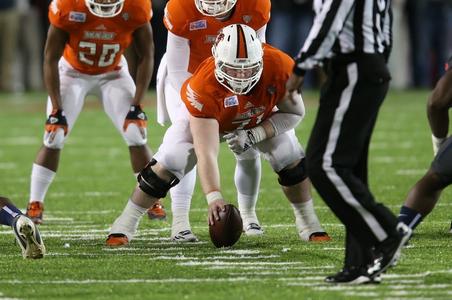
(439, 121)
(144, 72)
(52, 82)
(206, 144)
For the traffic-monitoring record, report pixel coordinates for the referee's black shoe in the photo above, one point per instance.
(388, 252)
(352, 275)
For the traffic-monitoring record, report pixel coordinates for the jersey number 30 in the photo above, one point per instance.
(107, 57)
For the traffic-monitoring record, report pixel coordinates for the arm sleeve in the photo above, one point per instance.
(328, 22)
(289, 115)
(178, 55)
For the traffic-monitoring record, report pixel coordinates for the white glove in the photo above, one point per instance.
(241, 140)
(238, 141)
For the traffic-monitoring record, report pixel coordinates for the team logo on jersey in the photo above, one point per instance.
(54, 7)
(192, 97)
(101, 27)
(247, 18)
(198, 25)
(75, 16)
(126, 16)
(99, 35)
(231, 101)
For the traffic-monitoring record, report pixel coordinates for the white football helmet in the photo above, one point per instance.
(105, 8)
(238, 57)
(213, 8)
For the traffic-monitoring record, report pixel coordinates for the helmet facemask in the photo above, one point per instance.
(238, 58)
(105, 8)
(214, 8)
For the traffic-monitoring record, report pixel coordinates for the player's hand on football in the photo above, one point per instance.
(238, 141)
(55, 121)
(214, 208)
(138, 117)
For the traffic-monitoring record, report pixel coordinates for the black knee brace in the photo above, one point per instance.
(292, 176)
(153, 185)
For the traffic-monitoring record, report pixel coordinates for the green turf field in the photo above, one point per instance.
(95, 180)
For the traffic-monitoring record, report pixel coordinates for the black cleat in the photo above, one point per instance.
(352, 276)
(388, 252)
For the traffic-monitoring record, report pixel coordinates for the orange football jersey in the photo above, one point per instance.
(183, 19)
(205, 97)
(96, 44)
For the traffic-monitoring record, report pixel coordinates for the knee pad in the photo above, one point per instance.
(292, 176)
(54, 140)
(153, 185)
(135, 136)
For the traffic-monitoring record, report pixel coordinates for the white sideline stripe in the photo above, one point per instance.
(336, 180)
(7, 166)
(112, 281)
(215, 258)
(410, 172)
(20, 141)
(223, 263)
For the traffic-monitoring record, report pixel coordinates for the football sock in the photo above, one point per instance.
(127, 222)
(41, 178)
(306, 219)
(180, 202)
(247, 179)
(247, 207)
(8, 213)
(410, 217)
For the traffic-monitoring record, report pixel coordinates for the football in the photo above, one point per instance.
(226, 231)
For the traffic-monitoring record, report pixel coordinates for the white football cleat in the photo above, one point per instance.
(28, 237)
(184, 236)
(253, 229)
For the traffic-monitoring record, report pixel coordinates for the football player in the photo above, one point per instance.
(83, 55)
(423, 196)
(27, 234)
(238, 95)
(192, 28)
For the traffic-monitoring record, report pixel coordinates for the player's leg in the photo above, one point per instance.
(73, 93)
(169, 103)
(153, 184)
(286, 157)
(116, 95)
(247, 179)
(174, 158)
(177, 155)
(424, 195)
(25, 231)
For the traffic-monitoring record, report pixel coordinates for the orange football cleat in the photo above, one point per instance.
(157, 211)
(117, 240)
(35, 209)
(319, 237)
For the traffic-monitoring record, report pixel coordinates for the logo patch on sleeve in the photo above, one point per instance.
(76, 16)
(231, 101)
(197, 25)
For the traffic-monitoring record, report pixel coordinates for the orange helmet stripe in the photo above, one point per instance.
(242, 51)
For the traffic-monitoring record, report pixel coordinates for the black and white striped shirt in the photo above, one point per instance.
(346, 26)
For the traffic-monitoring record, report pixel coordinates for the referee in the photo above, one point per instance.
(354, 38)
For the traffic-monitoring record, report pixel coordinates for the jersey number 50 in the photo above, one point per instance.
(107, 57)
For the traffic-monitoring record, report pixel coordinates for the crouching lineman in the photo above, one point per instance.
(238, 93)
(27, 234)
(423, 196)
